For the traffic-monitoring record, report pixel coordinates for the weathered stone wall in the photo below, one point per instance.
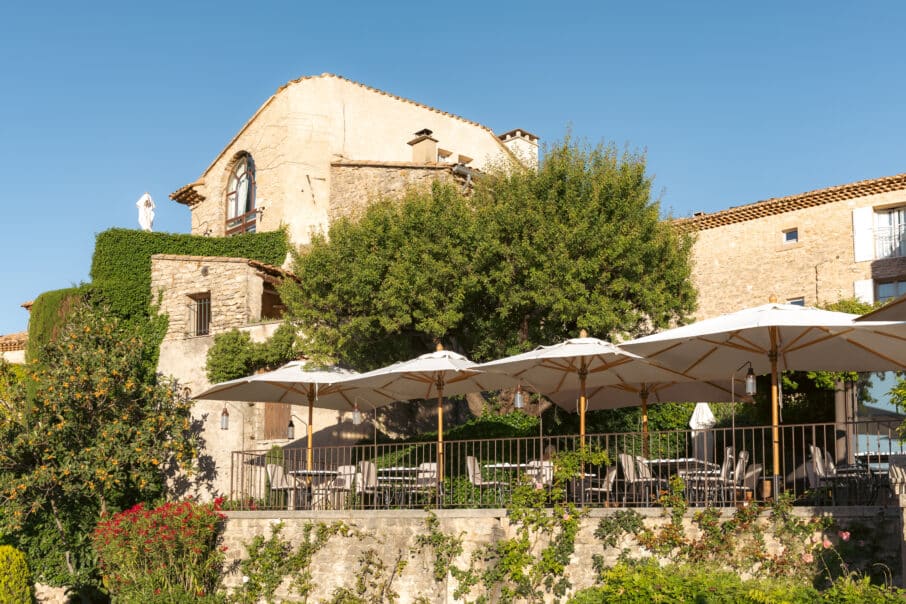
(354, 186)
(393, 533)
(746, 263)
(312, 122)
(234, 286)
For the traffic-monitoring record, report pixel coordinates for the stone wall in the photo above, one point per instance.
(354, 186)
(234, 286)
(393, 533)
(746, 263)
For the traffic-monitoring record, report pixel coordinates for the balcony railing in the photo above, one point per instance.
(820, 464)
(890, 242)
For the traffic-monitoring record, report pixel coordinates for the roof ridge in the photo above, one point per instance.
(385, 93)
(779, 205)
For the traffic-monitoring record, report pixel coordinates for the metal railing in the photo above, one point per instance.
(820, 464)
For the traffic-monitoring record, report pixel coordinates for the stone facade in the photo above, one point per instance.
(298, 134)
(355, 184)
(744, 256)
(336, 565)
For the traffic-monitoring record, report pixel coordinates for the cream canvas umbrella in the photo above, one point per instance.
(581, 364)
(295, 384)
(432, 375)
(623, 394)
(774, 338)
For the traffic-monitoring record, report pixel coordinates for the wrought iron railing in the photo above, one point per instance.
(820, 464)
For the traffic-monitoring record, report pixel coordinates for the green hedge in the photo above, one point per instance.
(48, 311)
(121, 266)
(15, 578)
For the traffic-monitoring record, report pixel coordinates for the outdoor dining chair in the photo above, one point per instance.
(635, 482)
(366, 482)
(473, 468)
(603, 489)
(332, 494)
(278, 483)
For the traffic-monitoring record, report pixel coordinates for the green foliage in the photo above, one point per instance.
(446, 547)
(166, 554)
(273, 559)
(121, 265)
(234, 355)
(647, 581)
(15, 578)
(99, 435)
(529, 259)
(373, 580)
(48, 314)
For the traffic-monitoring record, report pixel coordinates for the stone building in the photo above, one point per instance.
(319, 148)
(812, 248)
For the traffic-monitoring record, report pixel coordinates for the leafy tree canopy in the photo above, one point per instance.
(529, 258)
(87, 431)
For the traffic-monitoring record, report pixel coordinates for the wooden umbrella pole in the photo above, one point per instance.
(644, 395)
(775, 411)
(311, 413)
(440, 430)
(583, 403)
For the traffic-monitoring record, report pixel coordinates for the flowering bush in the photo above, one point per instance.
(166, 554)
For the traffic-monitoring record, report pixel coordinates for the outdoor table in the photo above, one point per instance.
(665, 468)
(305, 477)
(397, 479)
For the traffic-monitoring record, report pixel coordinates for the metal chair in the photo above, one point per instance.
(473, 469)
(366, 481)
(332, 494)
(634, 481)
(604, 487)
(279, 483)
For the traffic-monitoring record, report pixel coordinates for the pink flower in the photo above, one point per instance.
(844, 535)
(565, 516)
(808, 558)
(826, 543)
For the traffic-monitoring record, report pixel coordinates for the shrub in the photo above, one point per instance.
(48, 314)
(166, 554)
(15, 578)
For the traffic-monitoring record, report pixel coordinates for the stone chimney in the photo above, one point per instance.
(424, 148)
(524, 145)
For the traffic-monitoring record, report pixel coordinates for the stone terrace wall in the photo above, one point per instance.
(353, 186)
(396, 533)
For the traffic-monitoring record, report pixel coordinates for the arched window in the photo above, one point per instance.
(240, 196)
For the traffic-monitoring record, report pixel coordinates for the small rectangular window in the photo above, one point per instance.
(890, 289)
(791, 236)
(200, 319)
(800, 301)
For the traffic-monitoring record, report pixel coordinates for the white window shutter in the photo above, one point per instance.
(863, 235)
(864, 290)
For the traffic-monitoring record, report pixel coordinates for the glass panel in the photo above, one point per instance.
(886, 291)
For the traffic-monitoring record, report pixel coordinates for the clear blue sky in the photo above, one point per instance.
(734, 102)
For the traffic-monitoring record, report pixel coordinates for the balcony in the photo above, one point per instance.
(890, 242)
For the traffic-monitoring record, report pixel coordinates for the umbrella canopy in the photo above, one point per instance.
(294, 384)
(432, 375)
(773, 338)
(582, 363)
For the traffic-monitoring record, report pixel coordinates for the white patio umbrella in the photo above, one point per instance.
(582, 363)
(295, 384)
(774, 338)
(432, 375)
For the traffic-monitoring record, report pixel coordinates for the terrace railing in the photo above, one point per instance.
(821, 464)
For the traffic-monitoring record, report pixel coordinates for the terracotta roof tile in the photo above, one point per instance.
(779, 205)
(13, 341)
(187, 194)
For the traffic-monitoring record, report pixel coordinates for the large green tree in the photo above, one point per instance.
(529, 258)
(89, 430)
